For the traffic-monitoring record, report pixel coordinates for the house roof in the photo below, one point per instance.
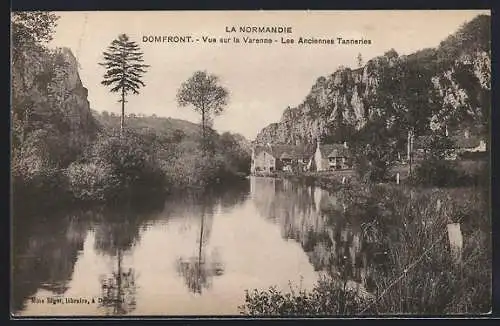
(284, 151)
(334, 150)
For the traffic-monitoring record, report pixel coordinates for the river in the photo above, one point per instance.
(192, 254)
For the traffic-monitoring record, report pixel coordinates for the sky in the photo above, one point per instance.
(262, 79)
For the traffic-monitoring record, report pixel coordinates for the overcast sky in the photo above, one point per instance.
(262, 79)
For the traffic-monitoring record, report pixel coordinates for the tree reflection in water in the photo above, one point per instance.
(116, 233)
(118, 290)
(198, 270)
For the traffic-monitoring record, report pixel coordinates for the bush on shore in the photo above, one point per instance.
(329, 297)
(193, 167)
(34, 175)
(114, 167)
(439, 173)
(444, 173)
(91, 181)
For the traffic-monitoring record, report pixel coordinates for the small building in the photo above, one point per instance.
(281, 157)
(332, 157)
(465, 142)
(462, 142)
(263, 159)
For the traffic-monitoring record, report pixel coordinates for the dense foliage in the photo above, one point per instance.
(374, 152)
(176, 147)
(114, 167)
(329, 297)
(40, 126)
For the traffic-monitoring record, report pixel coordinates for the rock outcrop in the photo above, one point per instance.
(462, 65)
(49, 101)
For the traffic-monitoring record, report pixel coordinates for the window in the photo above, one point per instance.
(338, 162)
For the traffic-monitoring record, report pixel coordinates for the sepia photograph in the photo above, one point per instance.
(311, 163)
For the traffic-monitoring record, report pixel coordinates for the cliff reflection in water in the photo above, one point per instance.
(47, 246)
(316, 219)
(44, 249)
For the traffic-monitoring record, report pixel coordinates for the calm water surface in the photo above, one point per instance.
(193, 254)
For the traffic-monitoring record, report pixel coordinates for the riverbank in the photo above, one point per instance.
(415, 271)
(407, 225)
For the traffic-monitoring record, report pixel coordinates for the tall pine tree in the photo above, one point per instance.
(124, 65)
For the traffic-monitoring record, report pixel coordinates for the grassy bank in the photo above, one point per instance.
(414, 271)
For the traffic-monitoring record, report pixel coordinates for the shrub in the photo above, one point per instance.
(114, 167)
(36, 179)
(92, 182)
(374, 151)
(193, 169)
(328, 297)
(440, 173)
(372, 171)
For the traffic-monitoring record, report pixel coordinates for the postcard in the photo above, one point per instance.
(251, 163)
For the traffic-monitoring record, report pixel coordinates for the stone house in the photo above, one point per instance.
(278, 157)
(332, 157)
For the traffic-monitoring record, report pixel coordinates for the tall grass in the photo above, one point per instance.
(417, 274)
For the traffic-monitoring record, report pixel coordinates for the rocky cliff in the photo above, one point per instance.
(460, 72)
(50, 111)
